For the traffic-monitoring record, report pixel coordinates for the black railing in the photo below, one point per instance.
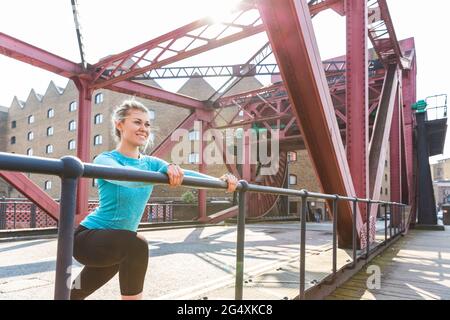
(70, 169)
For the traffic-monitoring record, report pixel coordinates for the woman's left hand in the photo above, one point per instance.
(231, 180)
(176, 175)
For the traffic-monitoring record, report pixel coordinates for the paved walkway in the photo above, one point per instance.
(416, 267)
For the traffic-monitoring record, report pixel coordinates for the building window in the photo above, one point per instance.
(49, 131)
(98, 139)
(72, 145)
(381, 191)
(151, 114)
(48, 185)
(241, 113)
(49, 149)
(385, 177)
(72, 125)
(385, 191)
(385, 163)
(194, 158)
(194, 135)
(13, 124)
(98, 118)
(292, 156)
(50, 113)
(292, 179)
(30, 136)
(98, 98)
(29, 151)
(13, 140)
(30, 119)
(73, 106)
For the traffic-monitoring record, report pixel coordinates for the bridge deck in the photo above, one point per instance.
(414, 268)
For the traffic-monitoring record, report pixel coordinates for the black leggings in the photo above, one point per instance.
(103, 253)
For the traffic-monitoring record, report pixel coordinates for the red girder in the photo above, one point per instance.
(289, 27)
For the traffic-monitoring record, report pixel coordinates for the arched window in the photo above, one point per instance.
(72, 125)
(30, 136)
(98, 118)
(194, 158)
(73, 106)
(98, 98)
(29, 151)
(98, 139)
(49, 149)
(47, 185)
(50, 113)
(292, 179)
(31, 119)
(72, 145)
(13, 140)
(49, 131)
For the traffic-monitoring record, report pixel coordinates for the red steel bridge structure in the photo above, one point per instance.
(347, 112)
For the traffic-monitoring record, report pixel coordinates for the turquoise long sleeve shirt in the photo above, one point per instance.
(122, 203)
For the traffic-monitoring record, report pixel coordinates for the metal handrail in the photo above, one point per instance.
(70, 169)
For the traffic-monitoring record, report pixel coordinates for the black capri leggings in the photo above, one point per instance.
(103, 253)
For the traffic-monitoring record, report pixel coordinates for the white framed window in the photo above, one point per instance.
(194, 158)
(50, 113)
(13, 140)
(47, 185)
(30, 119)
(292, 156)
(30, 136)
(151, 114)
(98, 98)
(72, 125)
(292, 179)
(98, 118)
(98, 139)
(49, 131)
(29, 151)
(13, 124)
(73, 106)
(72, 145)
(241, 113)
(49, 149)
(194, 135)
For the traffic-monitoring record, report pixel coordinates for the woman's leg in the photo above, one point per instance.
(90, 279)
(104, 252)
(133, 268)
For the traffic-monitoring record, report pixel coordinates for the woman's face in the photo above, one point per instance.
(135, 128)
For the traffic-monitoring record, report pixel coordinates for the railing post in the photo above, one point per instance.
(355, 204)
(335, 219)
(391, 215)
(238, 293)
(33, 216)
(73, 169)
(14, 215)
(385, 223)
(368, 205)
(3, 214)
(303, 243)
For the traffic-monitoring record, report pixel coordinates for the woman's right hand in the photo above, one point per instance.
(175, 174)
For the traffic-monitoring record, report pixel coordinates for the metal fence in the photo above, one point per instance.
(70, 169)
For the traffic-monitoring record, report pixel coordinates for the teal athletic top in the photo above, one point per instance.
(122, 203)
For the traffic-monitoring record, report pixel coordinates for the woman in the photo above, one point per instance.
(106, 241)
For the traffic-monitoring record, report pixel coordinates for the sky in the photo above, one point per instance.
(111, 27)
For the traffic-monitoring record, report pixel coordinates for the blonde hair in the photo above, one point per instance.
(121, 112)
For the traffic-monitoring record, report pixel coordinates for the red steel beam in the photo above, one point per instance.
(25, 52)
(382, 128)
(395, 159)
(156, 94)
(289, 27)
(357, 95)
(27, 187)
